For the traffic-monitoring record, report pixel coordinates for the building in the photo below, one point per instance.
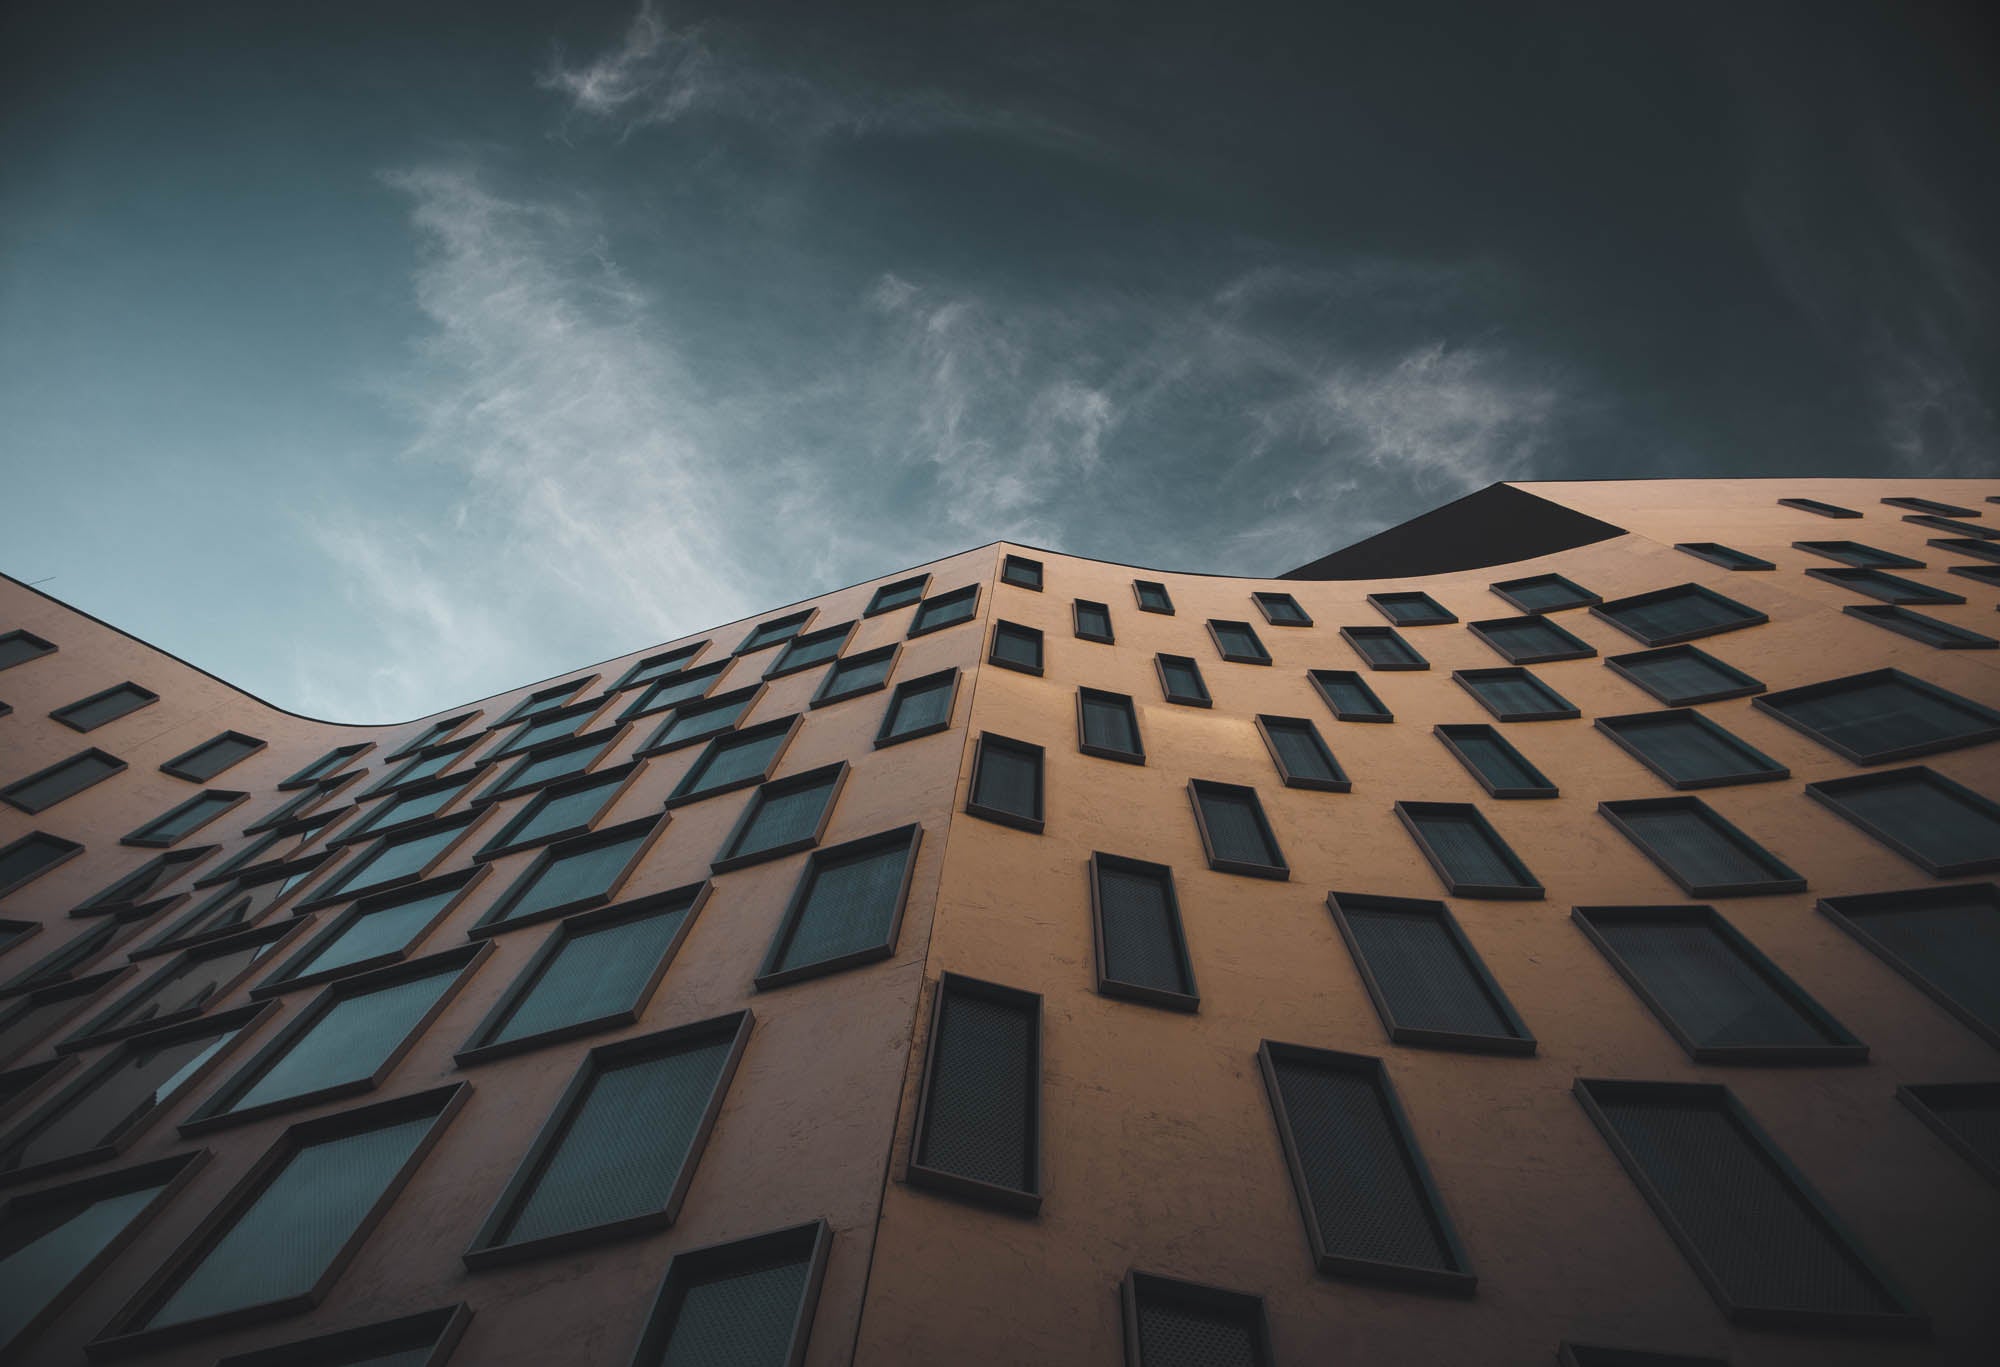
(1563, 920)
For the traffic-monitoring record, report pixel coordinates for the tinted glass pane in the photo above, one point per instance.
(1466, 846)
(1281, 608)
(850, 908)
(668, 692)
(535, 732)
(1548, 594)
(1688, 748)
(1872, 714)
(1678, 612)
(596, 972)
(25, 858)
(1017, 645)
(783, 817)
(1502, 765)
(1184, 1334)
(402, 857)
(1941, 825)
(18, 647)
(1092, 620)
(939, 612)
(738, 1319)
(65, 780)
(574, 876)
(188, 816)
(1141, 934)
(1418, 968)
(187, 985)
(1183, 678)
(349, 1042)
(395, 811)
(42, 1251)
(1348, 695)
(1154, 597)
(1529, 636)
(1716, 996)
(1009, 780)
(736, 759)
(1694, 846)
(818, 650)
(896, 595)
(115, 1102)
(1951, 940)
(861, 672)
(387, 930)
(917, 708)
(110, 706)
(700, 721)
(560, 765)
(1412, 609)
(1515, 693)
(566, 811)
(1299, 746)
(977, 1122)
(1234, 828)
(1237, 639)
(1108, 723)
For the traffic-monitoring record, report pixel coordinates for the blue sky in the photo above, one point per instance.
(379, 357)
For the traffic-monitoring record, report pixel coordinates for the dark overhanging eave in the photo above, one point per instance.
(1498, 525)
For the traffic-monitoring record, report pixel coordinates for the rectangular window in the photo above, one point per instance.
(1953, 527)
(558, 723)
(177, 824)
(182, 988)
(428, 764)
(1302, 757)
(846, 910)
(1989, 575)
(1927, 505)
(244, 858)
(1945, 940)
(44, 788)
(1513, 694)
(663, 665)
(151, 877)
(1964, 545)
(543, 700)
(1235, 834)
(66, 958)
(1170, 1322)
(1021, 572)
(685, 687)
(1502, 771)
(406, 807)
(13, 933)
(1703, 853)
(1726, 556)
(945, 610)
(919, 707)
(1531, 640)
(1181, 681)
(561, 810)
(28, 1015)
(1016, 647)
(373, 932)
(1466, 852)
(1006, 783)
(1721, 1000)
(1966, 1115)
(1682, 676)
(1667, 617)
(1383, 648)
(436, 733)
(553, 763)
(211, 757)
(1349, 697)
(618, 1154)
(19, 647)
(1108, 726)
(1370, 1207)
(1944, 828)
(1092, 621)
(693, 722)
(747, 1302)
(1882, 716)
(1545, 593)
(1813, 505)
(978, 1132)
(783, 817)
(1690, 751)
(1237, 642)
(573, 875)
(596, 973)
(900, 594)
(769, 633)
(394, 860)
(1152, 596)
(1932, 631)
(1860, 556)
(1763, 1243)
(302, 802)
(87, 714)
(855, 675)
(813, 648)
(1281, 610)
(1135, 919)
(425, 1339)
(1428, 984)
(741, 759)
(1890, 588)
(328, 764)
(1414, 608)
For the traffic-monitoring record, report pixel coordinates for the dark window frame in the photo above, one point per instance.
(827, 694)
(1448, 734)
(1201, 699)
(180, 765)
(372, 823)
(249, 857)
(1775, 703)
(1355, 636)
(1248, 1309)
(1913, 504)
(1715, 553)
(1076, 610)
(341, 886)
(451, 751)
(1743, 686)
(709, 674)
(909, 839)
(1353, 678)
(507, 840)
(605, 741)
(689, 788)
(1966, 545)
(1020, 572)
(1339, 783)
(1165, 607)
(657, 744)
(11, 793)
(221, 801)
(43, 647)
(535, 703)
(692, 1267)
(1020, 1201)
(18, 933)
(135, 887)
(1021, 632)
(1783, 878)
(1889, 588)
(334, 761)
(437, 733)
(729, 858)
(641, 671)
(1263, 655)
(1562, 709)
(1086, 746)
(438, 1330)
(1528, 889)
(1874, 557)
(1952, 526)
(1747, 615)
(81, 988)
(885, 737)
(511, 744)
(1815, 506)
(784, 665)
(1569, 645)
(939, 601)
(1509, 590)
(1031, 821)
(1849, 912)
(1388, 603)
(1520, 1042)
(289, 975)
(876, 606)
(64, 714)
(1923, 1098)
(190, 930)
(1934, 632)
(1614, 728)
(1146, 993)
(1278, 872)
(304, 802)
(495, 920)
(1264, 598)
(1986, 575)
(102, 1028)
(1827, 792)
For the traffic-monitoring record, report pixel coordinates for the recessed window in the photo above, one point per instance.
(694, 722)
(846, 910)
(1944, 828)
(664, 665)
(556, 724)
(1281, 610)
(1237, 641)
(978, 1132)
(1545, 593)
(211, 757)
(373, 932)
(1945, 940)
(332, 762)
(1467, 853)
(1170, 1322)
(1021, 572)
(1108, 726)
(1690, 751)
(1502, 770)
(1370, 1207)
(1813, 505)
(1890, 588)
(185, 985)
(1016, 647)
(43, 789)
(1715, 553)
(553, 763)
(185, 819)
(596, 973)
(945, 610)
(777, 629)
(27, 1016)
(1302, 757)
(296, 807)
(1669, 616)
(1235, 834)
(618, 1154)
(900, 594)
(11, 934)
(1152, 596)
(419, 1340)
(1349, 697)
(1006, 782)
(34, 854)
(1181, 681)
(1883, 715)
(1765, 1245)
(1700, 850)
(544, 700)
(1989, 575)
(1860, 556)
(1135, 918)
(918, 707)
(784, 816)
(419, 802)
(64, 960)
(1952, 527)
(429, 764)
(1428, 984)
(1682, 676)
(392, 860)
(1966, 1115)
(1531, 640)
(19, 647)
(250, 854)
(243, 903)
(809, 649)
(573, 875)
(1383, 648)
(741, 759)
(673, 691)
(855, 675)
(1967, 545)
(1412, 609)
(560, 811)
(746, 1302)
(1929, 505)
(435, 734)
(1514, 695)
(87, 714)
(1932, 631)
(1092, 621)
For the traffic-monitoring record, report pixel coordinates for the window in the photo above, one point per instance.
(1514, 695)
(846, 910)
(1693, 845)
(1682, 676)
(34, 854)
(1764, 1244)
(1092, 621)
(1428, 984)
(231, 909)
(43, 789)
(1466, 852)
(1383, 648)
(1965, 545)
(1942, 827)
(1370, 1207)
(1545, 593)
(1813, 505)
(1181, 681)
(420, 1340)
(676, 689)
(664, 665)
(1302, 757)
(741, 759)
(305, 800)
(1954, 528)
(1690, 751)
(1135, 920)
(558, 723)
(1281, 610)
(1235, 834)
(1531, 640)
(428, 764)
(249, 855)
(1989, 575)
(1926, 505)
(182, 988)
(544, 700)
(1966, 1115)
(211, 757)
(560, 811)
(393, 860)
(27, 1016)
(406, 807)
(373, 932)
(1502, 771)
(1021, 572)
(1890, 588)
(327, 764)
(1108, 726)
(783, 817)
(1726, 556)
(693, 722)
(746, 1302)
(814, 648)
(12, 933)
(1882, 716)
(1667, 617)
(978, 1132)
(918, 707)
(65, 959)
(857, 674)
(900, 594)
(1858, 555)
(553, 763)
(1006, 783)
(89, 713)
(1945, 940)
(1932, 631)
(618, 1154)
(945, 610)
(1169, 1321)
(185, 819)
(1016, 647)
(596, 973)
(1348, 695)
(19, 647)
(573, 875)
(1152, 596)
(1412, 609)
(286, 1232)
(1237, 642)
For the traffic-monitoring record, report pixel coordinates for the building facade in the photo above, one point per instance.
(1561, 925)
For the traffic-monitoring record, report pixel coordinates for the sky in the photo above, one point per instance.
(379, 357)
